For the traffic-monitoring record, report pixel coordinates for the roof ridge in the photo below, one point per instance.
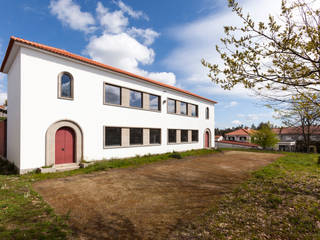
(92, 62)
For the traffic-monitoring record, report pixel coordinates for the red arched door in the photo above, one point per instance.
(206, 140)
(64, 152)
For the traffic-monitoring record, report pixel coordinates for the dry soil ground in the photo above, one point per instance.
(148, 202)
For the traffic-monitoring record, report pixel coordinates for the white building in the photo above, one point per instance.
(63, 108)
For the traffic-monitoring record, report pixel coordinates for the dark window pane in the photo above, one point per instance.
(194, 110)
(172, 135)
(113, 136)
(135, 99)
(136, 136)
(155, 136)
(66, 90)
(112, 94)
(195, 136)
(207, 113)
(183, 108)
(154, 102)
(171, 106)
(184, 135)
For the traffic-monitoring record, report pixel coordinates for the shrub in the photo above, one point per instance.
(175, 155)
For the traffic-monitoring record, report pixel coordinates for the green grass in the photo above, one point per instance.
(24, 214)
(280, 201)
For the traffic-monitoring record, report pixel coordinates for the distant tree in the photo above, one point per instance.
(277, 58)
(253, 126)
(264, 137)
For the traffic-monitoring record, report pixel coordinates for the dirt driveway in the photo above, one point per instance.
(148, 202)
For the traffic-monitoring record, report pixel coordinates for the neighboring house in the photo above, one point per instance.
(218, 138)
(125, 114)
(240, 135)
(3, 111)
(291, 139)
(234, 144)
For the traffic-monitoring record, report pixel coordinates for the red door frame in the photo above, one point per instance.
(206, 139)
(64, 145)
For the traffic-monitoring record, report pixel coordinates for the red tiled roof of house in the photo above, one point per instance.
(239, 143)
(92, 62)
(2, 107)
(240, 132)
(295, 130)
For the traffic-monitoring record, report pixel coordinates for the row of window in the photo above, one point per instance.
(114, 135)
(113, 95)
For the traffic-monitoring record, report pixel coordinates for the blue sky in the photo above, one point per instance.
(164, 40)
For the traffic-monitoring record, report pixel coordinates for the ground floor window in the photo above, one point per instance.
(172, 138)
(113, 136)
(195, 135)
(155, 136)
(184, 135)
(136, 136)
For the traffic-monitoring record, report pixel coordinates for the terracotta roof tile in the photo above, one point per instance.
(92, 62)
(295, 130)
(240, 132)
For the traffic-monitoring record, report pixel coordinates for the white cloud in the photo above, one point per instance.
(232, 104)
(120, 50)
(71, 15)
(197, 40)
(3, 93)
(127, 9)
(113, 22)
(165, 77)
(236, 122)
(148, 35)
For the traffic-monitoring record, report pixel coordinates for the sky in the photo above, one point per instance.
(162, 40)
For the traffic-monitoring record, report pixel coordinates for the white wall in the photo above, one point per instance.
(40, 108)
(13, 116)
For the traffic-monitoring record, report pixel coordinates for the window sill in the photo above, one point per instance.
(183, 115)
(181, 143)
(128, 107)
(65, 98)
(131, 146)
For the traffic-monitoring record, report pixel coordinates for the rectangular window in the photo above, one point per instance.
(183, 108)
(136, 136)
(155, 136)
(113, 136)
(195, 136)
(135, 99)
(112, 94)
(184, 135)
(154, 102)
(172, 138)
(171, 106)
(194, 110)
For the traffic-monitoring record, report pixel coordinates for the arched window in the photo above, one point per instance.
(207, 113)
(65, 86)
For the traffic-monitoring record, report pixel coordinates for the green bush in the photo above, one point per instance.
(175, 155)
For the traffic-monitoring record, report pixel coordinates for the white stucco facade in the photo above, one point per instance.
(33, 106)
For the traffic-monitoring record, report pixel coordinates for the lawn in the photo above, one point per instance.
(280, 201)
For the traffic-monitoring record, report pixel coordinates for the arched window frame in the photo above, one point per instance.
(59, 86)
(207, 113)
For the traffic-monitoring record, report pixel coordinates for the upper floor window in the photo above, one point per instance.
(171, 106)
(194, 110)
(207, 113)
(135, 99)
(154, 102)
(65, 86)
(112, 94)
(183, 108)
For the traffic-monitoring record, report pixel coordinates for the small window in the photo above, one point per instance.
(113, 136)
(194, 110)
(66, 86)
(207, 113)
(195, 136)
(171, 106)
(184, 135)
(112, 94)
(135, 99)
(155, 136)
(172, 136)
(136, 136)
(183, 108)
(154, 102)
